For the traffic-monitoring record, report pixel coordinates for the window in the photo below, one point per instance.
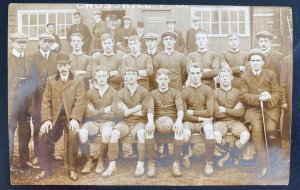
(33, 22)
(220, 21)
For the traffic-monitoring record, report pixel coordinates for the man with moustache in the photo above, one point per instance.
(236, 59)
(56, 46)
(61, 111)
(20, 102)
(191, 35)
(209, 60)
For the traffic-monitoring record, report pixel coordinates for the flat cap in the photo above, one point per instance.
(113, 18)
(46, 36)
(151, 36)
(256, 51)
(168, 33)
(133, 38)
(140, 24)
(19, 36)
(265, 34)
(126, 17)
(106, 36)
(63, 58)
(49, 24)
(170, 21)
(98, 12)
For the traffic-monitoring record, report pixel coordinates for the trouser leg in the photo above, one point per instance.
(24, 137)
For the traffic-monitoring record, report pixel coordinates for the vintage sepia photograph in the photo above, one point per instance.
(136, 94)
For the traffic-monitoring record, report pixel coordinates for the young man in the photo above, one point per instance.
(79, 27)
(172, 60)
(99, 29)
(166, 114)
(81, 63)
(191, 35)
(141, 61)
(56, 46)
(180, 44)
(228, 112)
(110, 60)
(274, 59)
(99, 117)
(43, 66)
(132, 106)
(209, 60)
(198, 105)
(20, 105)
(259, 87)
(62, 110)
(124, 32)
(236, 59)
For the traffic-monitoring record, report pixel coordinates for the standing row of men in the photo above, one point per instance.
(183, 93)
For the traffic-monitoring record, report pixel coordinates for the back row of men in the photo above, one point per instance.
(183, 93)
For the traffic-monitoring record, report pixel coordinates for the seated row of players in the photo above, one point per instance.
(169, 59)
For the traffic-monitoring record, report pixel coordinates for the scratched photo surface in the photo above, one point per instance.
(128, 94)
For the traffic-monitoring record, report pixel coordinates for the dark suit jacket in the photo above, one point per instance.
(274, 63)
(252, 86)
(71, 95)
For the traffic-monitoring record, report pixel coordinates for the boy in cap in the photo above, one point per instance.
(110, 60)
(274, 59)
(43, 66)
(79, 27)
(99, 117)
(180, 44)
(20, 104)
(56, 46)
(124, 32)
(234, 58)
(209, 60)
(62, 110)
(198, 105)
(99, 29)
(172, 60)
(132, 106)
(141, 61)
(191, 35)
(260, 85)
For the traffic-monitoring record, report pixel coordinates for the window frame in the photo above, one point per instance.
(46, 13)
(220, 10)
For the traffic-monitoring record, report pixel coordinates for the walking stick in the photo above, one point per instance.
(265, 132)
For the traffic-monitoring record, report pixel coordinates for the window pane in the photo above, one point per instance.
(242, 28)
(69, 18)
(224, 16)
(42, 19)
(206, 17)
(33, 31)
(52, 18)
(33, 19)
(25, 29)
(215, 28)
(25, 19)
(206, 27)
(225, 28)
(234, 27)
(242, 16)
(214, 16)
(233, 16)
(61, 30)
(61, 18)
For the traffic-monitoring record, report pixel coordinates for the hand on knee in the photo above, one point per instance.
(218, 136)
(209, 132)
(83, 136)
(141, 135)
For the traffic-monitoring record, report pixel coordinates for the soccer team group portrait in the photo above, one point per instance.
(119, 82)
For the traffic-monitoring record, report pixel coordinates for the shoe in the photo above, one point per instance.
(176, 169)
(74, 175)
(262, 173)
(139, 171)
(35, 161)
(109, 171)
(57, 157)
(99, 168)
(87, 166)
(209, 169)
(151, 169)
(29, 165)
(42, 175)
(186, 162)
(223, 160)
